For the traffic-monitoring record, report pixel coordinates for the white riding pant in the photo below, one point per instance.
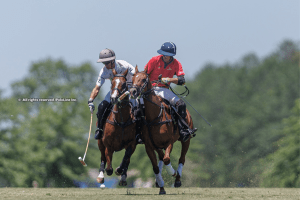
(166, 94)
(159, 91)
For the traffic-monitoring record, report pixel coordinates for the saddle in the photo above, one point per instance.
(176, 118)
(138, 115)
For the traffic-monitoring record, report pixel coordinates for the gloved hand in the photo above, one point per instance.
(91, 105)
(165, 80)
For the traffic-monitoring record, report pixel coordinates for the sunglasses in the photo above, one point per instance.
(106, 63)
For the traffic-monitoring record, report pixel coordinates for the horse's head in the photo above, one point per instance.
(118, 86)
(140, 81)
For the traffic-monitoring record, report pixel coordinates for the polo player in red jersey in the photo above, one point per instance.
(168, 66)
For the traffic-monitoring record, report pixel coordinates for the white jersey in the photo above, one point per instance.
(120, 67)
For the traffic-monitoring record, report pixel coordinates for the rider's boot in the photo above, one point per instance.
(184, 130)
(101, 115)
(138, 121)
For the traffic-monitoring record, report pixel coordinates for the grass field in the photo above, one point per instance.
(149, 193)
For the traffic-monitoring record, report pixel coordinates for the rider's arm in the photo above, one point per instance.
(95, 92)
(100, 81)
(174, 80)
(178, 81)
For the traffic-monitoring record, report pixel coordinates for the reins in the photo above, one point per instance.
(119, 105)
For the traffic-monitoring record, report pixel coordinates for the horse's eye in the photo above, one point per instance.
(144, 80)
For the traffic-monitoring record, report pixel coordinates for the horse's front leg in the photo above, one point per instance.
(108, 155)
(161, 156)
(122, 169)
(158, 177)
(125, 162)
(184, 148)
(123, 181)
(100, 178)
(167, 160)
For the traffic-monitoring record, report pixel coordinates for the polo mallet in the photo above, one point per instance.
(87, 145)
(175, 92)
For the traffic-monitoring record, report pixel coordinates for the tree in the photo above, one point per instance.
(43, 139)
(245, 103)
(284, 165)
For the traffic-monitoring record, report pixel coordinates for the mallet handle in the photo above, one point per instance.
(87, 145)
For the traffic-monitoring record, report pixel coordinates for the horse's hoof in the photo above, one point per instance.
(109, 172)
(100, 180)
(119, 171)
(162, 192)
(177, 184)
(122, 183)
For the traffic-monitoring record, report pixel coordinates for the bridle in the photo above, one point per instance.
(142, 88)
(123, 124)
(124, 86)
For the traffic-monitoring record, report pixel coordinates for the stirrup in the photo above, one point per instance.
(193, 134)
(98, 134)
(184, 135)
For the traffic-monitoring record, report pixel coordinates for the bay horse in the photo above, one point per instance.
(118, 131)
(159, 132)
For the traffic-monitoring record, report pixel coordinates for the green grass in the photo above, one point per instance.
(150, 193)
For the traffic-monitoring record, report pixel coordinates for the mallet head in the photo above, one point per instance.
(82, 161)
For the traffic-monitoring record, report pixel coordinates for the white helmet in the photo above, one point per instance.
(106, 55)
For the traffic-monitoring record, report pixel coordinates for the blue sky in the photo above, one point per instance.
(215, 31)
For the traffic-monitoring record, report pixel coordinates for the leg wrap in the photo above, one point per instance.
(123, 178)
(160, 165)
(170, 169)
(101, 174)
(102, 166)
(159, 180)
(179, 170)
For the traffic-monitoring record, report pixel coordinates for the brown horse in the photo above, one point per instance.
(159, 132)
(119, 131)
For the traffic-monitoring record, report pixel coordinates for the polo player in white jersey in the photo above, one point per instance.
(108, 58)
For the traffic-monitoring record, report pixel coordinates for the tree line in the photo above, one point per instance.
(253, 106)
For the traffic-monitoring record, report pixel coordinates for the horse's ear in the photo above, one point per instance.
(114, 72)
(125, 73)
(145, 70)
(136, 70)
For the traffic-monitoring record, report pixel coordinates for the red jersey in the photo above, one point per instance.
(156, 67)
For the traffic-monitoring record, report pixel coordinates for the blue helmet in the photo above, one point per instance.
(167, 49)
